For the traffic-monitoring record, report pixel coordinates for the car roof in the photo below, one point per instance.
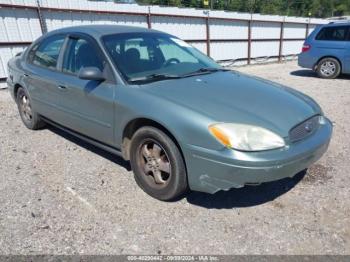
(101, 30)
(333, 24)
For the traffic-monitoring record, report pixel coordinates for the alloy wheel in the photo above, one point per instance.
(26, 108)
(328, 68)
(154, 162)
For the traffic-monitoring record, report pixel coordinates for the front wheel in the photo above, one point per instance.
(328, 68)
(158, 165)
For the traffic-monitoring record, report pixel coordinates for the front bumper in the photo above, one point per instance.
(210, 171)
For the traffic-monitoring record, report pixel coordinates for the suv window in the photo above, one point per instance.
(46, 53)
(81, 53)
(336, 33)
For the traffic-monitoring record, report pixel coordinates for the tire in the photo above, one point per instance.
(152, 154)
(328, 68)
(29, 117)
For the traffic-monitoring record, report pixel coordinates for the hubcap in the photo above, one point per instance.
(154, 162)
(26, 108)
(328, 68)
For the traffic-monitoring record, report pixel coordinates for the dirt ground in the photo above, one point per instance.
(59, 195)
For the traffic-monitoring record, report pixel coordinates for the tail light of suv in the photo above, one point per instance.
(306, 48)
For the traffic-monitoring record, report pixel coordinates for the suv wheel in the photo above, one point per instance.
(158, 165)
(328, 68)
(29, 117)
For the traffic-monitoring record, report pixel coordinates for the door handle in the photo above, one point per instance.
(25, 75)
(61, 87)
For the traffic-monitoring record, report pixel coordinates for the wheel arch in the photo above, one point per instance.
(133, 125)
(15, 90)
(329, 56)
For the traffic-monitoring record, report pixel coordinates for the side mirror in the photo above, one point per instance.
(91, 73)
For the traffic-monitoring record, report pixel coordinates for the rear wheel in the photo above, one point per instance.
(328, 68)
(158, 165)
(29, 117)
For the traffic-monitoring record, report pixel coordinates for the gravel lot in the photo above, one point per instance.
(59, 195)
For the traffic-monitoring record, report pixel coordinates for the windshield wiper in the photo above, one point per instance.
(158, 77)
(153, 77)
(206, 70)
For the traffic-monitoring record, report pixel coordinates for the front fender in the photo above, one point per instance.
(186, 125)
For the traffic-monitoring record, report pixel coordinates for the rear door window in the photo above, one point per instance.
(335, 33)
(47, 52)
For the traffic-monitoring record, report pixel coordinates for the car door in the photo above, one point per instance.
(346, 68)
(87, 105)
(42, 75)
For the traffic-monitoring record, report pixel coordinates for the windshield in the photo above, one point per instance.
(147, 56)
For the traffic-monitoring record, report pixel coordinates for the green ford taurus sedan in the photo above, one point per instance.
(182, 120)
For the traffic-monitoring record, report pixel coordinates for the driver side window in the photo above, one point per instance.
(81, 53)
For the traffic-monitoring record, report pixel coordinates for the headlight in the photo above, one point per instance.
(246, 137)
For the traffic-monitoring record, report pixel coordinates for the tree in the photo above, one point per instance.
(316, 8)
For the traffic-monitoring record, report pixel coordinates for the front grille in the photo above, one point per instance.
(304, 129)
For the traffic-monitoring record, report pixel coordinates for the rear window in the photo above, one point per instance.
(336, 33)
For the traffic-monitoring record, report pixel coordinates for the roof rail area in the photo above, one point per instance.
(340, 22)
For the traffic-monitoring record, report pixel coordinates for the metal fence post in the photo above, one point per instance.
(208, 34)
(280, 53)
(307, 30)
(249, 41)
(41, 19)
(149, 22)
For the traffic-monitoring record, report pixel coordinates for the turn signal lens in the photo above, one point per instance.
(220, 135)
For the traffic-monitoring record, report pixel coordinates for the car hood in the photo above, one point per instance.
(238, 98)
